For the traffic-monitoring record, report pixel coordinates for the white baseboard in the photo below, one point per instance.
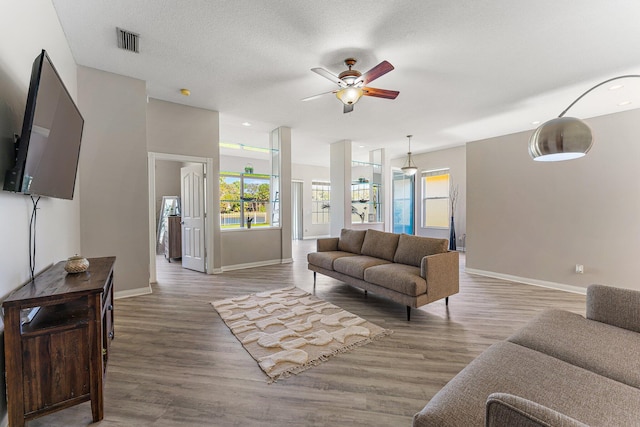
(132, 292)
(286, 261)
(324, 236)
(529, 281)
(251, 265)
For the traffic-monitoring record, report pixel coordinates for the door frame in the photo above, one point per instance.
(295, 215)
(209, 219)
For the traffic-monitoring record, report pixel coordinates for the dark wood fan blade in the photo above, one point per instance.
(329, 75)
(309, 98)
(379, 70)
(348, 108)
(380, 93)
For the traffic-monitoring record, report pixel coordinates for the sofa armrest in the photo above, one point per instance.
(614, 306)
(327, 244)
(504, 410)
(442, 274)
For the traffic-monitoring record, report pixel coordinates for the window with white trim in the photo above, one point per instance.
(435, 198)
(320, 199)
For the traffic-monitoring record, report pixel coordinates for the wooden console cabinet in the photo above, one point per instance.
(59, 358)
(173, 238)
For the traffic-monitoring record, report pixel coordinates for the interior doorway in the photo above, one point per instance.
(162, 180)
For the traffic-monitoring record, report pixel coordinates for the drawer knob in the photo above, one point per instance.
(111, 334)
(110, 307)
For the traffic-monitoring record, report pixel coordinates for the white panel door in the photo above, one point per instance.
(193, 250)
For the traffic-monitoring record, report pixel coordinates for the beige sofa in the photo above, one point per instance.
(561, 369)
(410, 270)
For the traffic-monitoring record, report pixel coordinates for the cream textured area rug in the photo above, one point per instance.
(289, 330)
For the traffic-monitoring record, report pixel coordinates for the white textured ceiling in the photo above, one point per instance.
(465, 69)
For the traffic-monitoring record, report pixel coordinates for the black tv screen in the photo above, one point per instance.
(49, 146)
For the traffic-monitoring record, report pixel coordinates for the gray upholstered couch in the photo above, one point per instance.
(410, 270)
(561, 369)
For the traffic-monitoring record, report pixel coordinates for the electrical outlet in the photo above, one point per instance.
(579, 268)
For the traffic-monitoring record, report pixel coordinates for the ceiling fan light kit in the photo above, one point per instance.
(409, 167)
(564, 138)
(349, 95)
(353, 83)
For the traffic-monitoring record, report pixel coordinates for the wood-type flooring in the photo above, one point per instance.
(175, 363)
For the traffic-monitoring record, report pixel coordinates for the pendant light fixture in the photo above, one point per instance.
(564, 138)
(409, 167)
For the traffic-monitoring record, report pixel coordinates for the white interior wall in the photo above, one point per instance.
(535, 221)
(58, 226)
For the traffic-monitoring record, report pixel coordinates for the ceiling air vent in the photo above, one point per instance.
(128, 40)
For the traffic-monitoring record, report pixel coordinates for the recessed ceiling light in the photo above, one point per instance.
(623, 103)
(616, 87)
(537, 122)
(361, 146)
(246, 124)
(185, 92)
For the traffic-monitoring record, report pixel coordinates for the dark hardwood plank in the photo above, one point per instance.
(175, 363)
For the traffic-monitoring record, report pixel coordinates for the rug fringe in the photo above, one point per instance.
(323, 358)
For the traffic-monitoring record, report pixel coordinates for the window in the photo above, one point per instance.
(244, 198)
(320, 198)
(435, 198)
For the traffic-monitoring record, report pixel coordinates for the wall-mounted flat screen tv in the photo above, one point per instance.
(48, 150)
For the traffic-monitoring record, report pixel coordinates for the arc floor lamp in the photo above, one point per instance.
(564, 138)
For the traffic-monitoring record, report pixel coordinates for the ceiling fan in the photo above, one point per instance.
(353, 84)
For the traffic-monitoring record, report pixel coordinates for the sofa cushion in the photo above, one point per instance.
(411, 249)
(598, 347)
(355, 266)
(510, 368)
(351, 240)
(326, 259)
(397, 277)
(380, 244)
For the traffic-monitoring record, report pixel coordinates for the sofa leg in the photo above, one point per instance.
(314, 280)
(365, 293)
(446, 300)
(408, 313)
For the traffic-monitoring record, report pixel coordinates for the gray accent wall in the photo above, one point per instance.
(114, 201)
(167, 181)
(536, 221)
